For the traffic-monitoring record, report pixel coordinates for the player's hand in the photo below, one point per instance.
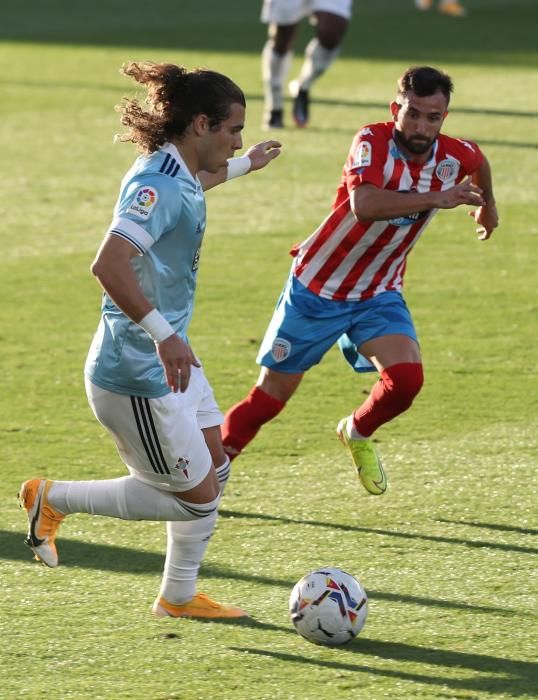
(263, 153)
(464, 193)
(176, 357)
(487, 219)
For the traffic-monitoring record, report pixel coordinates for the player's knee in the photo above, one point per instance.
(403, 382)
(196, 510)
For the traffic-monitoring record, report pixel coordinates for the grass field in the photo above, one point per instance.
(448, 555)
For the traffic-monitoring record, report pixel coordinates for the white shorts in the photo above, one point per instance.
(161, 440)
(293, 11)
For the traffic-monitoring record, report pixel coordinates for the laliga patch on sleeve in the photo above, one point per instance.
(143, 202)
(363, 155)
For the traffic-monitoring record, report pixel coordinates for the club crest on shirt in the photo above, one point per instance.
(143, 202)
(281, 349)
(447, 169)
(366, 131)
(363, 155)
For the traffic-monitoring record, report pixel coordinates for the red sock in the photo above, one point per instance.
(390, 396)
(243, 420)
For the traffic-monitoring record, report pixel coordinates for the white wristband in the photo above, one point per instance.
(238, 166)
(156, 326)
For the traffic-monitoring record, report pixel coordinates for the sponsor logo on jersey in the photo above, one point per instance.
(447, 169)
(280, 349)
(409, 219)
(363, 155)
(143, 202)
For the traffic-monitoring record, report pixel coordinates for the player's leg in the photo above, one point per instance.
(263, 403)
(171, 474)
(397, 359)
(384, 338)
(187, 542)
(277, 55)
(282, 18)
(304, 326)
(321, 51)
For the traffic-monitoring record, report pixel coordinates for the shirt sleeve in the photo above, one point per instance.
(366, 159)
(148, 207)
(470, 157)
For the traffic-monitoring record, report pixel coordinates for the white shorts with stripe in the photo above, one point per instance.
(161, 440)
(292, 11)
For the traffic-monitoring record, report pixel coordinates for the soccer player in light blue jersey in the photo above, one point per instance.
(144, 382)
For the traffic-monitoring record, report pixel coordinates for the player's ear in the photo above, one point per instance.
(395, 109)
(200, 124)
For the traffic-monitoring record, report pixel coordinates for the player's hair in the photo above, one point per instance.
(175, 96)
(425, 81)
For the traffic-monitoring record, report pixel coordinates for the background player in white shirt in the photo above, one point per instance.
(330, 19)
(143, 381)
(346, 279)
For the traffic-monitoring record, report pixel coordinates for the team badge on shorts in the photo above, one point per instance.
(447, 169)
(182, 466)
(281, 349)
(143, 202)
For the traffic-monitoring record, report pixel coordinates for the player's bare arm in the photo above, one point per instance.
(371, 203)
(259, 155)
(112, 267)
(485, 216)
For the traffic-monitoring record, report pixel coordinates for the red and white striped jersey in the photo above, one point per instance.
(349, 260)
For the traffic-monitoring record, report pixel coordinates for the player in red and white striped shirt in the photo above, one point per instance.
(346, 278)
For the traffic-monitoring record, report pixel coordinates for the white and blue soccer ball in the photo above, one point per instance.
(328, 607)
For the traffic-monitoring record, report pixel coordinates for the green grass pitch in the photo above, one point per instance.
(448, 555)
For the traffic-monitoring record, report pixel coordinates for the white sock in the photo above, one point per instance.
(317, 60)
(186, 547)
(125, 498)
(352, 430)
(275, 68)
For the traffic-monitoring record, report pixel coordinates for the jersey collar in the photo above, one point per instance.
(172, 150)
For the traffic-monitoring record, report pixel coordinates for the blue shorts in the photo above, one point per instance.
(304, 326)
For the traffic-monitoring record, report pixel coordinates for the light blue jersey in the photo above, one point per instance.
(161, 212)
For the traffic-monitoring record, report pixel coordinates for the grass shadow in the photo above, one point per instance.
(104, 557)
(490, 526)
(497, 675)
(387, 533)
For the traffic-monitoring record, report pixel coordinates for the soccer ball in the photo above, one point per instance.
(328, 607)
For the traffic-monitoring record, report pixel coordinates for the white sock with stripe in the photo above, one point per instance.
(186, 548)
(125, 498)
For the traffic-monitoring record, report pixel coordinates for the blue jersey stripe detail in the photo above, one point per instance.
(173, 163)
(165, 163)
